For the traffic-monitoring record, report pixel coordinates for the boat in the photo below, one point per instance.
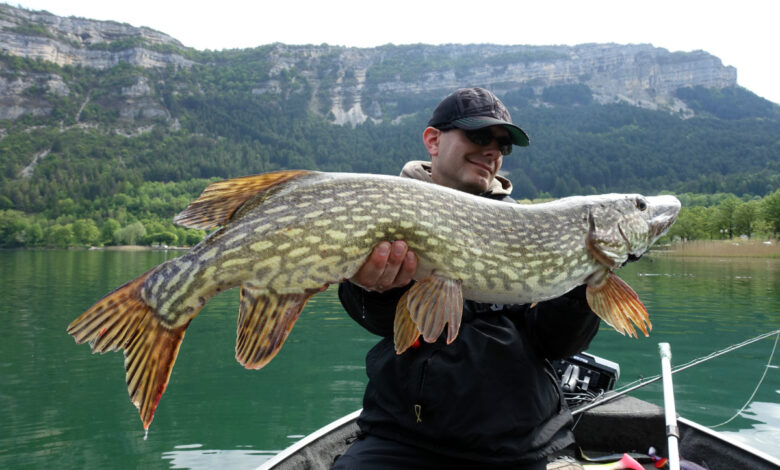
(610, 424)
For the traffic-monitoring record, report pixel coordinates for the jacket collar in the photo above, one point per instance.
(421, 170)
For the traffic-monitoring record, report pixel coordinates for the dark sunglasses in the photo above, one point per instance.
(483, 138)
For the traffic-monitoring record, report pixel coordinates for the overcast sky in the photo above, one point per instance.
(743, 34)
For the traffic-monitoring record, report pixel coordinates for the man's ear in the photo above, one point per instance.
(431, 140)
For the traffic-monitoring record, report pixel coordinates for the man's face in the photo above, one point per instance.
(458, 163)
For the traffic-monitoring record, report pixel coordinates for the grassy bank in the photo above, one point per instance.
(723, 248)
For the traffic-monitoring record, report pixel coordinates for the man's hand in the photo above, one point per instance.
(389, 265)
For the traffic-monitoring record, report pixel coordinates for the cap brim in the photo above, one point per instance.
(519, 137)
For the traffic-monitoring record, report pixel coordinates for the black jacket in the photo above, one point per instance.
(491, 395)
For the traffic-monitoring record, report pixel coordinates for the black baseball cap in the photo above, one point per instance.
(475, 108)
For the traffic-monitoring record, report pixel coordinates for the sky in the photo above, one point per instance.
(744, 34)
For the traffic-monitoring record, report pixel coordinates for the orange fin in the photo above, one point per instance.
(220, 200)
(618, 305)
(434, 302)
(405, 331)
(122, 320)
(264, 321)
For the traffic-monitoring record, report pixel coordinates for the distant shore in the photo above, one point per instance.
(722, 248)
(140, 248)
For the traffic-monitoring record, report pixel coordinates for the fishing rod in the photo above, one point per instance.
(643, 382)
(672, 432)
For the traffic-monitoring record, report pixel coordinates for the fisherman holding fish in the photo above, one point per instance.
(489, 396)
(490, 399)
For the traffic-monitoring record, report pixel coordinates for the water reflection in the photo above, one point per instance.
(194, 457)
(763, 433)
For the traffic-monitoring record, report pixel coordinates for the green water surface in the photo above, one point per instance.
(62, 407)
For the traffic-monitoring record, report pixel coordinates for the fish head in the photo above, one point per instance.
(624, 226)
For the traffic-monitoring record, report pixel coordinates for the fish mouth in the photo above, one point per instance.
(666, 210)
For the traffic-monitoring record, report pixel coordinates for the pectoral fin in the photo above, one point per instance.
(434, 302)
(405, 331)
(618, 305)
(264, 321)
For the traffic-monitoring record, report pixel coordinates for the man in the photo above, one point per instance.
(490, 399)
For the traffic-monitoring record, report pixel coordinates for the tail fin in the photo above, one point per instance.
(122, 320)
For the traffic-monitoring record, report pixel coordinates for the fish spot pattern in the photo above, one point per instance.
(320, 229)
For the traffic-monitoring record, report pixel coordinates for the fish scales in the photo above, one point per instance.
(444, 239)
(283, 236)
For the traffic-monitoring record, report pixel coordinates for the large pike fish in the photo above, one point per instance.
(284, 236)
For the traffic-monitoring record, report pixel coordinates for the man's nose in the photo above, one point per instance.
(491, 150)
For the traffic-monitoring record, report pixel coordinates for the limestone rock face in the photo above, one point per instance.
(350, 85)
(78, 41)
(362, 85)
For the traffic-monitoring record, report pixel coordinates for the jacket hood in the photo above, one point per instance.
(421, 170)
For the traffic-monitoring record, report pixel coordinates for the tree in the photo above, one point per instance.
(130, 235)
(745, 216)
(724, 218)
(11, 224)
(770, 209)
(160, 238)
(690, 225)
(59, 235)
(86, 232)
(33, 234)
(110, 226)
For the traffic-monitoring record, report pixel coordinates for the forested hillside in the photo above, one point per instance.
(109, 153)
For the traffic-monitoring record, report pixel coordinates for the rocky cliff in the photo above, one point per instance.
(350, 85)
(641, 75)
(78, 41)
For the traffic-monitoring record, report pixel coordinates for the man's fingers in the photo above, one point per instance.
(406, 273)
(389, 265)
(396, 257)
(368, 274)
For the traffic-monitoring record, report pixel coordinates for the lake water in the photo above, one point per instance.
(62, 407)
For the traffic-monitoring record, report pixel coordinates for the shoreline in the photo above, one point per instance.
(736, 248)
(138, 248)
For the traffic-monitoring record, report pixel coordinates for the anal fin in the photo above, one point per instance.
(264, 321)
(619, 306)
(433, 302)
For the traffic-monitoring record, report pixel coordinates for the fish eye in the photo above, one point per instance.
(641, 204)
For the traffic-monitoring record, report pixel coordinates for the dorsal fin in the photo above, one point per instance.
(219, 201)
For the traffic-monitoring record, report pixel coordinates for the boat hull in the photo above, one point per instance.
(625, 424)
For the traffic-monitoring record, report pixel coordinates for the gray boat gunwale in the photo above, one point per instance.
(638, 421)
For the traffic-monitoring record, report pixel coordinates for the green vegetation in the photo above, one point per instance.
(33, 29)
(725, 216)
(143, 217)
(728, 103)
(106, 165)
(139, 216)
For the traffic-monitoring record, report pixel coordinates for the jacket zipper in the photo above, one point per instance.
(418, 406)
